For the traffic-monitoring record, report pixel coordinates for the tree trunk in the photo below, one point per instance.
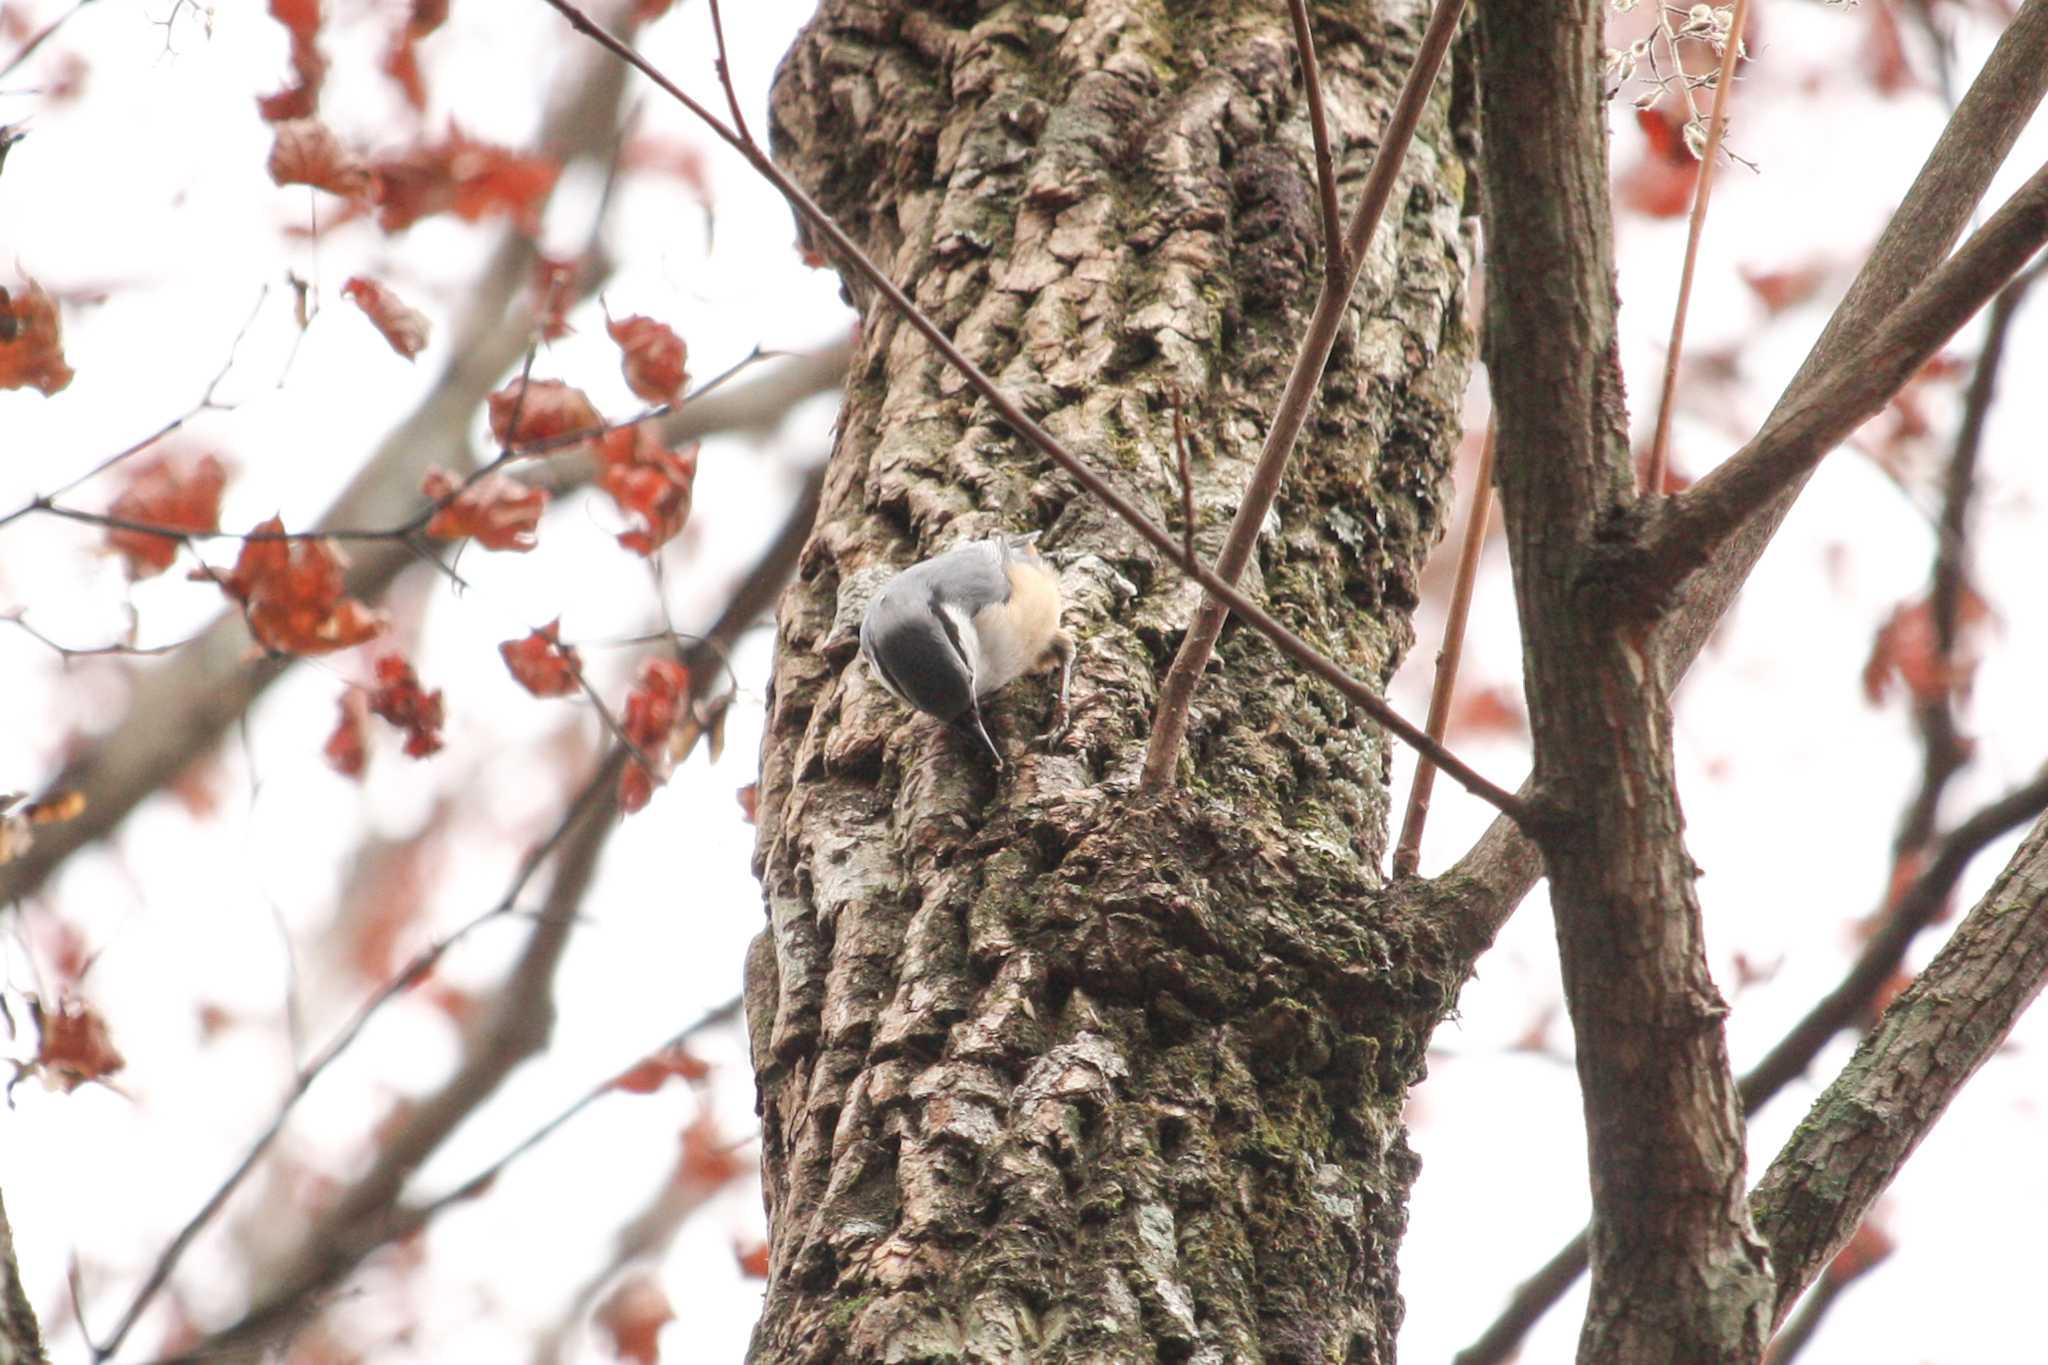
(1046, 1074)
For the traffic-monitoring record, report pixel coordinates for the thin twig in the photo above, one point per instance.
(1336, 265)
(1703, 189)
(723, 63)
(1253, 615)
(19, 620)
(41, 36)
(417, 1217)
(1177, 693)
(411, 974)
(1408, 848)
(206, 403)
(1944, 751)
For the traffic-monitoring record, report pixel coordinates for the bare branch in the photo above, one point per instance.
(20, 1338)
(1913, 910)
(724, 67)
(1930, 219)
(1335, 263)
(1702, 191)
(1931, 216)
(367, 1217)
(358, 1220)
(1690, 530)
(1932, 1040)
(1177, 693)
(1157, 536)
(594, 793)
(1408, 849)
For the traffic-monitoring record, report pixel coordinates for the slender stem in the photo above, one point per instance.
(1336, 265)
(1408, 849)
(857, 260)
(724, 67)
(1703, 189)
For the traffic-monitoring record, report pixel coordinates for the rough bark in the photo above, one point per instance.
(1047, 1075)
(21, 1340)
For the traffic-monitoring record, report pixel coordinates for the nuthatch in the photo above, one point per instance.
(943, 634)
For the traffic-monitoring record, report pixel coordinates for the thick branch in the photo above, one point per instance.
(1916, 908)
(1692, 529)
(1930, 218)
(1933, 1038)
(1678, 1275)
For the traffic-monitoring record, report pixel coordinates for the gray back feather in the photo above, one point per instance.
(903, 623)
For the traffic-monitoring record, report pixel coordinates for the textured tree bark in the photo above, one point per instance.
(21, 1341)
(1047, 1075)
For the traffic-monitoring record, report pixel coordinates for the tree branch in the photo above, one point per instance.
(1912, 911)
(596, 793)
(1690, 530)
(1944, 1026)
(1408, 848)
(1931, 216)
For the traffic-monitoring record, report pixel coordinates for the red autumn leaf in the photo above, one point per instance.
(405, 328)
(399, 699)
(31, 340)
(632, 1316)
(291, 592)
(18, 824)
(306, 152)
(1660, 183)
(542, 664)
(648, 480)
(653, 707)
(402, 59)
(650, 1074)
(652, 356)
(554, 291)
(655, 703)
(402, 64)
(753, 1259)
(74, 1045)
(1906, 648)
(470, 179)
(345, 750)
(497, 511)
(750, 802)
(549, 410)
(301, 19)
(174, 492)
